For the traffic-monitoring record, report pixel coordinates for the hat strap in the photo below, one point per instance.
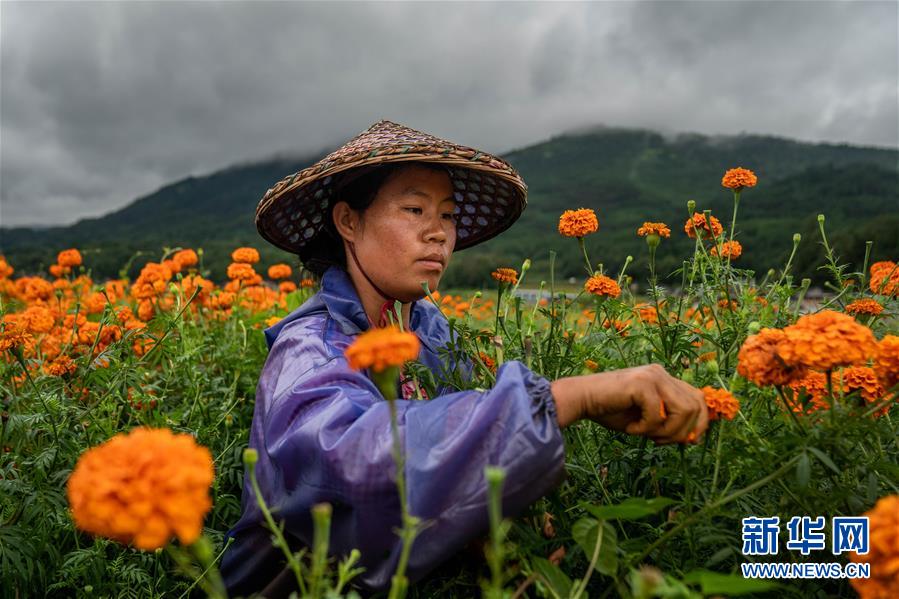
(387, 306)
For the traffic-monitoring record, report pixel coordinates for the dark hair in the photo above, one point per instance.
(358, 191)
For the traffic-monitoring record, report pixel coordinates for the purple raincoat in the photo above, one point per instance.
(323, 434)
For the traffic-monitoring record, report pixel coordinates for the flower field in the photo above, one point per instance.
(126, 406)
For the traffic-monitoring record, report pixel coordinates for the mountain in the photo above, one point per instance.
(627, 175)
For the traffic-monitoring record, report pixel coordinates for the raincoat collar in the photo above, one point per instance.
(338, 298)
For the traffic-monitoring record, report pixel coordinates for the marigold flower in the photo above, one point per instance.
(660, 229)
(738, 178)
(152, 281)
(5, 269)
(279, 271)
(69, 258)
(287, 286)
(578, 223)
(825, 340)
(305, 283)
(488, 361)
(758, 360)
(185, 258)
(34, 288)
(884, 278)
(245, 255)
(142, 488)
(591, 365)
(58, 270)
(727, 249)
(883, 551)
(864, 379)
(60, 366)
(721, 403)
(602, 286)
(382, 348)
(887, 364)
(710, 227)
(505, 275)
(241, 271)
(145, 310)
(37, 319)
(864, 306)
(13, 335)
(272, 321)
(814, 387)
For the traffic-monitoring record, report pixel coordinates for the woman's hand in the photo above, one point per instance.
(643, 400)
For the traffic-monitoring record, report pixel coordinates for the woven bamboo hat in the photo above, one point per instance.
(490, 195)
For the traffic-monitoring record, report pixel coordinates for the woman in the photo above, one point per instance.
(377, 218)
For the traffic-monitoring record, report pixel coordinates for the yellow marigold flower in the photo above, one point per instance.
(864, 379)
(660, 229)
(241, 271)
(505, 275)
(381, 348)
(738, 178)
(864, 306)
(279, 271)
(287, 286)
(826, 340)
(883, 551)
(272, 321)
(708, 228)
(887, 364)
(578, 223)
(602, 286)
(245, 255)
(758, 360)
(727, 249)
(721, 403)
(5, 269)
(185, 258)
(143, 488)
(60, 366)
(69, 258)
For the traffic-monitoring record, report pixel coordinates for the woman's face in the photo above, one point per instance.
(408, 233)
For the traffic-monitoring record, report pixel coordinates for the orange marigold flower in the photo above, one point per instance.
(578, 223)
(488, 361)
(272, 321)
(241, 271)
(152, 281)
(143, 488)
(382, 348)
(591, 365)
(864, 306)
(287, 286)
(307, 283)
(13, 335)
(721, 403)
(58, 270)
(728, 249)
(245, 255)
(34, 288)
(758, 360)
(738, 178)
(812, 386)
(602, 286)
(884, 278)
(887, 364)
(279, 271)
(60, 366)
(883, 551)
(69, 258)
(710, 227)
(864, 379)
(660, 229)
(5, 269)
(185, 258)
(145, 310)
(826, 340)
(505, 275)
(38, 319)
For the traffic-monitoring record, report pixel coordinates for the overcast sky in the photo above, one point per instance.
(102, 102)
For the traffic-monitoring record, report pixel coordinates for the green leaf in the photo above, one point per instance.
(586, 533)
(825, 459)
(803, 470)
(728, 584)
(294, 300)
(629, 509)
(557, 581)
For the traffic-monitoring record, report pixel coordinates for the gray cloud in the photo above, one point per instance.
(103, 102)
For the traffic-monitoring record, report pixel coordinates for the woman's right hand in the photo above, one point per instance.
(632, 400)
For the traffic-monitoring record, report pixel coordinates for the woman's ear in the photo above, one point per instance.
(346, 221)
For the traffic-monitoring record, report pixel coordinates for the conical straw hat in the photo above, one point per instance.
(490, 195)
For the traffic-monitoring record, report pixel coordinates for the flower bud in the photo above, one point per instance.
(525, 265)
(754, 327)
(796, 238)
(691, 207)
(250, 456)
(820, 218)
(687, 376)
(652, 240)
(711, 367)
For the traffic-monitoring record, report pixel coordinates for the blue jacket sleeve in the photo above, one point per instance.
(323, 434)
